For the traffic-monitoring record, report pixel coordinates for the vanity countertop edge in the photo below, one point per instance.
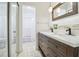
(69, 41)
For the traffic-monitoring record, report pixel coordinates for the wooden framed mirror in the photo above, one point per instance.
(64, 9)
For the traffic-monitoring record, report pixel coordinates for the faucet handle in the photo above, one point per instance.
(69, 31)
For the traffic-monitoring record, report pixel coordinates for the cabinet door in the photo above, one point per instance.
(51, 52)
(43, 47)
(61, 48)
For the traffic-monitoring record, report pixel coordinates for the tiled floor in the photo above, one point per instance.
(29, 50)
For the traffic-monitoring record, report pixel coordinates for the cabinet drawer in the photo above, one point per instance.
(52, 41)
(51, 45)
(44, 49)
(61, 48)
(58, 47)
(54, 53)
(42, 36)
(51, 52)
(48, 51)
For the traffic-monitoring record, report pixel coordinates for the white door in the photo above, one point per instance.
(29, 22)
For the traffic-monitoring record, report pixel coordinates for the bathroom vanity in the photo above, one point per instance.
(52, 45)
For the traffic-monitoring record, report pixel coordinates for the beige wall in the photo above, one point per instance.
(42, 15)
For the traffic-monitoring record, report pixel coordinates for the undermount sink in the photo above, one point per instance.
(64, 35)
(69, 37)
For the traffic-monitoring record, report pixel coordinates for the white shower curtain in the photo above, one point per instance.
(19, 30)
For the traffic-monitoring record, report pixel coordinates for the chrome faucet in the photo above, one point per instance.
(69, 31)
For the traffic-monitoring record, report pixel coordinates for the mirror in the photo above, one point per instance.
(64, 9)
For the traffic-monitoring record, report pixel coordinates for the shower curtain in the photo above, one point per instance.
(19, 30)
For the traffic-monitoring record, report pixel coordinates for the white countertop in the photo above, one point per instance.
(66, 39)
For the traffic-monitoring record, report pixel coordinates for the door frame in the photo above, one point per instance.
(8, 35)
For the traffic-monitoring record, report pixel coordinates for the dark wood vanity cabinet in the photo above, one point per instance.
(53, 48)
